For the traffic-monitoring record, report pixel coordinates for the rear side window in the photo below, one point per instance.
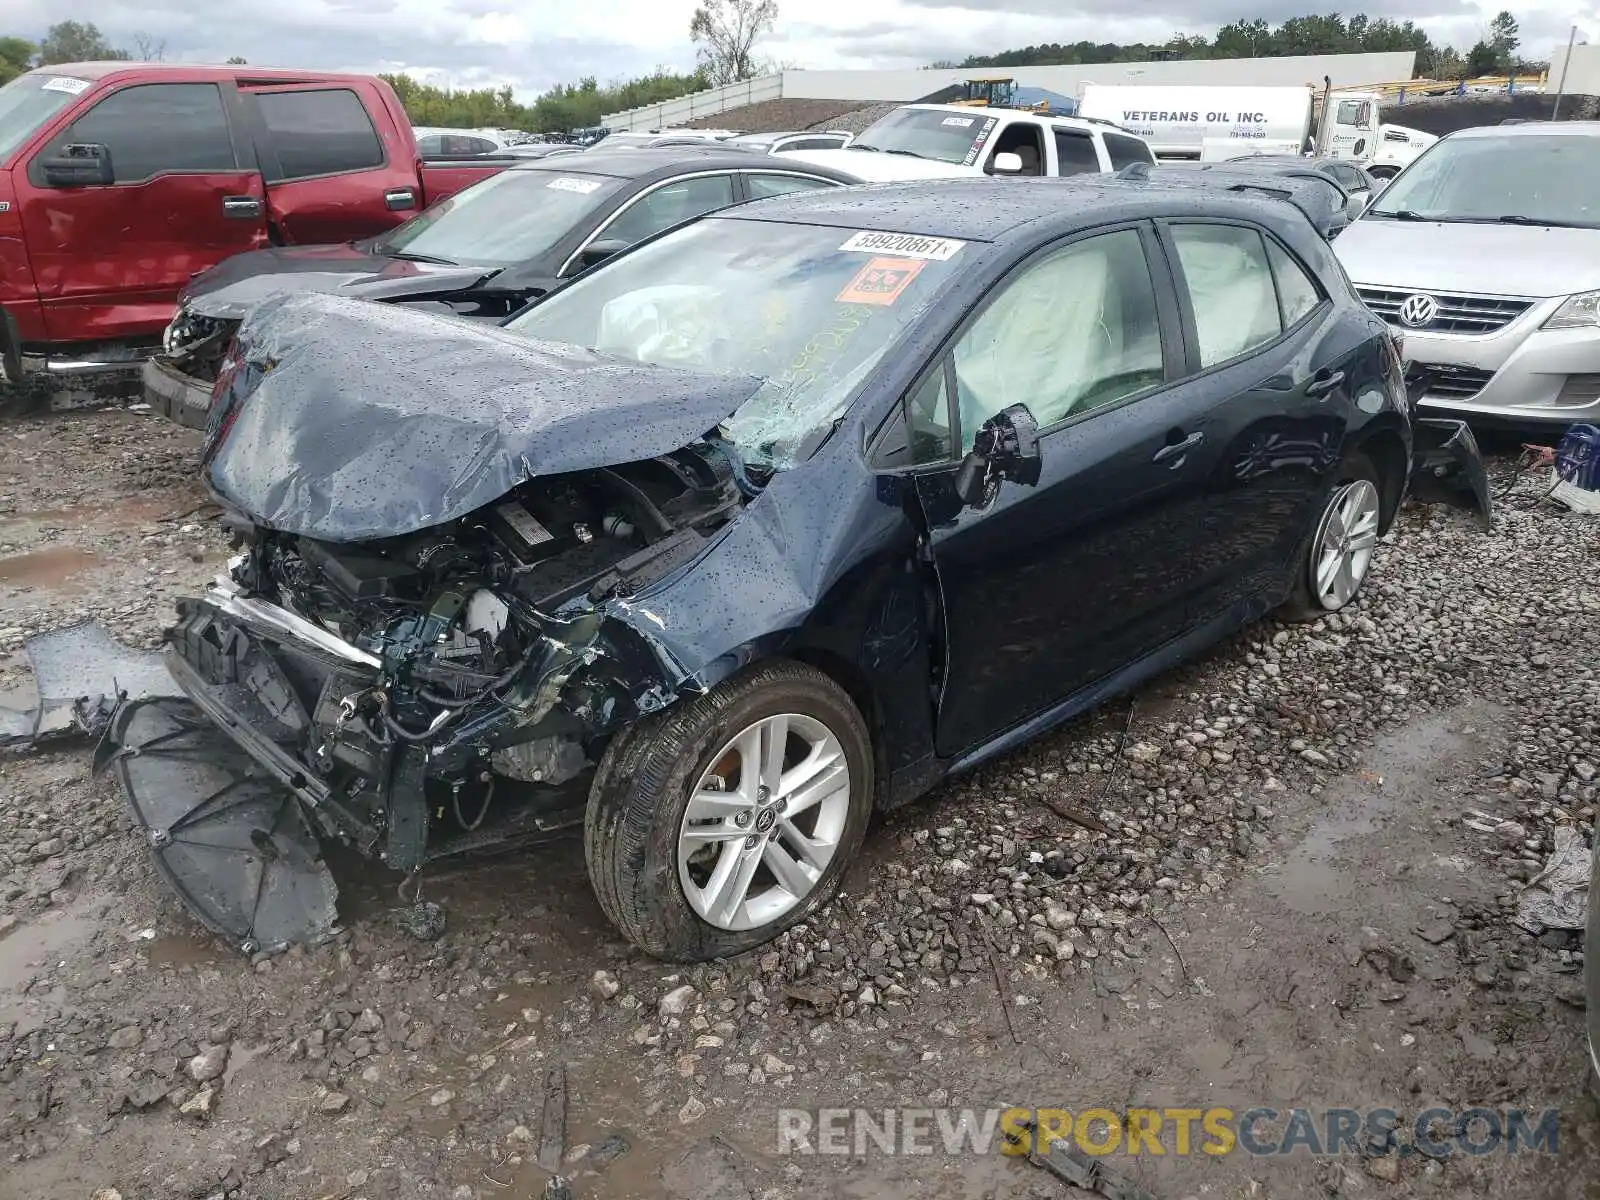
(1125, 151)
(1076, 152)
(1231, 289)
(320, 133)
(763, 184)
(1298, 294)
(670, 203)
(157, 127)
(815, 143)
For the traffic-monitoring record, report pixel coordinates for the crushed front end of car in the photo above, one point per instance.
(415, 654)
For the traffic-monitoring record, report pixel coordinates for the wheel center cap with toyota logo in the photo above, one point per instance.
(1418, 310)
(765, 820)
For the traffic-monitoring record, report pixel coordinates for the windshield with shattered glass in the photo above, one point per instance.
(808, 309)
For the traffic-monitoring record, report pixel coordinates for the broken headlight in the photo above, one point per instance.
(188, 331)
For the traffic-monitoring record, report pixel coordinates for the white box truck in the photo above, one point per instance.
(1214, 124)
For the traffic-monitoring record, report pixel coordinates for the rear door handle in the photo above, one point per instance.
(1176, 450)
(399, 199)
(1323, 382)
(241, 207)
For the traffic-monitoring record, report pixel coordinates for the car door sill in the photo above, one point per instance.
(1181, 648)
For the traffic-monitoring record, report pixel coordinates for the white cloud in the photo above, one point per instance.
(537, 44)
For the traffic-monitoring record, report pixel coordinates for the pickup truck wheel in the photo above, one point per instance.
(717, 824)
(1335, 563)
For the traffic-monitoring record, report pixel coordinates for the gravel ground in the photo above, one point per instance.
(1255, 884)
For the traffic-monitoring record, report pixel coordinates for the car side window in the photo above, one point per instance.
(668, 204)
(1072, 332)
(1230, 286)
(816, 143)
(1298, 293)
(321, 132)
(1124, 151)
(431, 146)
(1075, 153)
(764, 184)
(929, 434)
(157, 127)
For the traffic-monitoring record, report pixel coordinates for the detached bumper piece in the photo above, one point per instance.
(230, 839)
(1447, 467)
(176, 396)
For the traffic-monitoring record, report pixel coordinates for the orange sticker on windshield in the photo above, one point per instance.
(881, 281)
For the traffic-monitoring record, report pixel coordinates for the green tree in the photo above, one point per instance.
(570, 106)
(73, 41)
(1482, 59)
(725, 33)
(1503, 38)
(16, 57)
(236, 61)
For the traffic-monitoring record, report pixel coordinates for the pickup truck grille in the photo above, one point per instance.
(1453, 383)
(1456, 313)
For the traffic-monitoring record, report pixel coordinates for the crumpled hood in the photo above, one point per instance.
(345, 421)
(236, 285)
(1493, 260)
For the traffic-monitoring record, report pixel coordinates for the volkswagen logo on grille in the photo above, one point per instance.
(1417, 311)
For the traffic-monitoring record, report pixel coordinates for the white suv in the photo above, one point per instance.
(938, 141)
(1485, 255)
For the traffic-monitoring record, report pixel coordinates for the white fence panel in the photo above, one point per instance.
(697, 104)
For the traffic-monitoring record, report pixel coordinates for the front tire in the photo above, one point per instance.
(717, 824)
(1336, 561)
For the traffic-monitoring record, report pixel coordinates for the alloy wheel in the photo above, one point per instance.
(1346, 541)
(764, 821)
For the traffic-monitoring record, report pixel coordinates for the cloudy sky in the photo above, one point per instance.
(534, 44)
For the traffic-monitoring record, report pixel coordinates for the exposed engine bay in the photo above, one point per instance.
(429, 693)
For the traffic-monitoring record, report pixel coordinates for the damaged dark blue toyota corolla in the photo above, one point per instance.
(772, 522)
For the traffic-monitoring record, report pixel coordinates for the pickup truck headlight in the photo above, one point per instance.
(1577, 312)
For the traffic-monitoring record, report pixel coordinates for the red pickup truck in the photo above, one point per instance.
(120, 181)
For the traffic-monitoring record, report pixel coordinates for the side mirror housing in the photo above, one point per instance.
(598, 251)
(1006, 447)
(1007, 163)
(81, 164)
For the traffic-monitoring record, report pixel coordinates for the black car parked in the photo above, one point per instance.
(770, 523)
(481, 254)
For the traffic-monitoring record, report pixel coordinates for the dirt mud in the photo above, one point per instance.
(1277, 903)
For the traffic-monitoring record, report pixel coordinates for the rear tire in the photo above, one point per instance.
(655, 866)
(1337, 558)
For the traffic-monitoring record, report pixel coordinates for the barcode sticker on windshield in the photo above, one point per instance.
(959, 122)
(64, 83)
(568, 184)
(907, 245)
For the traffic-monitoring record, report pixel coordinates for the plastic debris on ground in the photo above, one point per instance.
(1575, 480)
(79, 672)
(1558, 896)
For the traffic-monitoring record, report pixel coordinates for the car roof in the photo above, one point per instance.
(1529, 129)
(635, 162)
(1017, 114)
(100, 70)
(995, 210)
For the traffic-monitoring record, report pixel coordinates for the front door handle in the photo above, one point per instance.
(1323, 382)
(399, 199)
(1176, 450)
(245, 208)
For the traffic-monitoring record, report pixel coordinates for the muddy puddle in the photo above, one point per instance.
(56, 568)
(118, 514)
(33, 946)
